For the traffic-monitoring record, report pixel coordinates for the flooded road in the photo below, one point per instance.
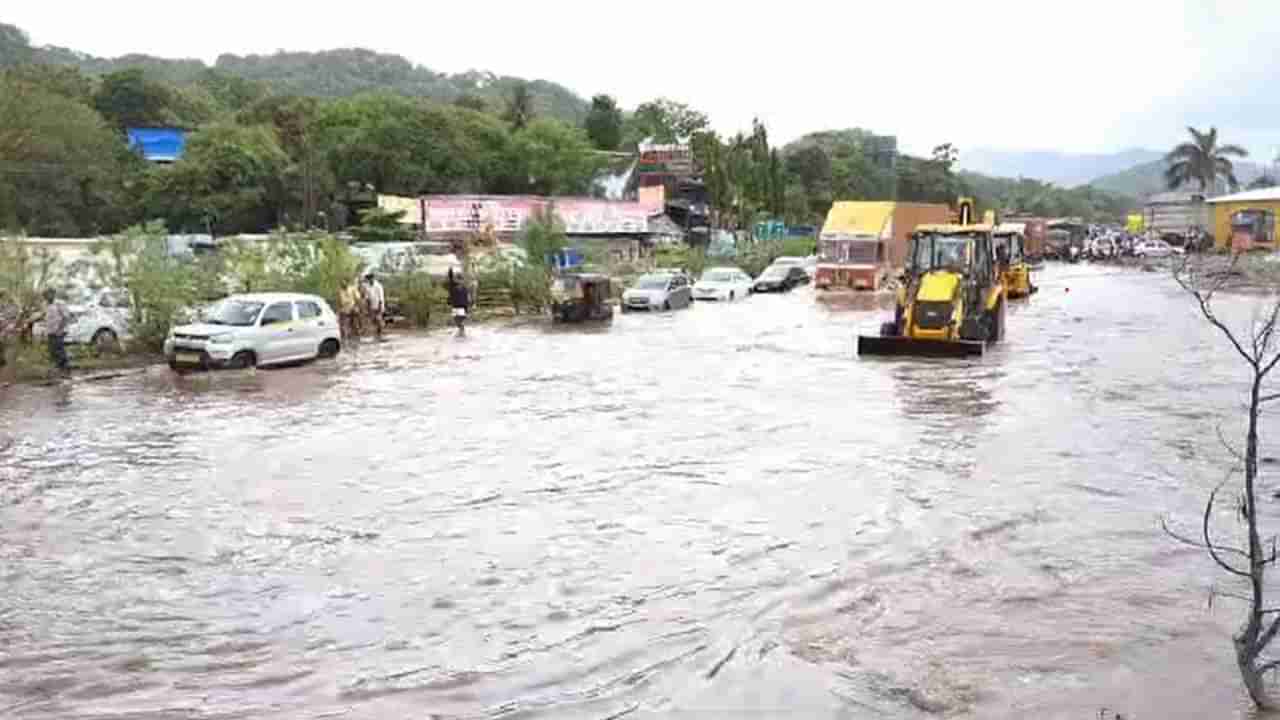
(718, 512)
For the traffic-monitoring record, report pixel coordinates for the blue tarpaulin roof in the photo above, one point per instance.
(158, 144)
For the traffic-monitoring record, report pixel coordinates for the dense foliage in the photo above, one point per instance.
(282, 141)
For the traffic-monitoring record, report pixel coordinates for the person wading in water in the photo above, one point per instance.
(459, 301)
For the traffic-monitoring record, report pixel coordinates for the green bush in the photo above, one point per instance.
(160, 287)
(417, 296)
(683, 257)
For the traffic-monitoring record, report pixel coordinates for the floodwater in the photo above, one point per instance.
(718, 512)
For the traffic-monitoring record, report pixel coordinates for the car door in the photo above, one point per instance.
(277, 337)
(312, 327)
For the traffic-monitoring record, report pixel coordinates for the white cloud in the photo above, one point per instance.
(1083, 76)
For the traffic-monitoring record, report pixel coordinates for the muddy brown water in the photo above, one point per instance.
(718, 512)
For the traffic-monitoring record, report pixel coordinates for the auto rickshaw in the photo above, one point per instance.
(581, 297)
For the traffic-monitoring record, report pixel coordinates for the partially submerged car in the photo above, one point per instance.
(781, 278)
(659, 291)
(256, 329)
(722, 283)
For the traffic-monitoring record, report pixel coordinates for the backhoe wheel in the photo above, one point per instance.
(995, 322)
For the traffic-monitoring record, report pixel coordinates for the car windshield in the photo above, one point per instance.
(653, 282)
(774, 271)
(934, 252)
(241, 313)
(718, 277)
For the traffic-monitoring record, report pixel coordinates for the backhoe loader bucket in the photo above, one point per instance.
(899, 345)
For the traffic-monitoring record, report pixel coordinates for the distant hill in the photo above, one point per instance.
(1065, 169)
(1146, 179)
(331, 73)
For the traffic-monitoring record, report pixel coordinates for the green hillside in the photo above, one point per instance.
(1142, 181)
(331, 73)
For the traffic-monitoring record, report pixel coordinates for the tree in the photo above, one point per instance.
(604, 123)
(556, 158)
(520, 106)
(228, 180)
(1202, 160)
(471, 102)
(379, 225)
(15, 48)
(129, 99)
(665, 121)
(63, 171)
(1259, 348)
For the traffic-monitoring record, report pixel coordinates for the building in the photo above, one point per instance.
(891, 222)
(619, 232)
(1246, 219)
(158, 145)
(1175, 214)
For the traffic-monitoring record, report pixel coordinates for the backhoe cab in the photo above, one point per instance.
(952, 300)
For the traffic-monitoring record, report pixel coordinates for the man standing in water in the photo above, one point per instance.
(349, 309)
(56, 320)
(459, 301)
(376, 303)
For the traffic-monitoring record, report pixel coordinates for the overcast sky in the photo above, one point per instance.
(1084, 76)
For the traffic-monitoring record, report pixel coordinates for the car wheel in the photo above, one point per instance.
(731, 298)
(243, 360)
(105, 340)
(329, 348)
(666, 305)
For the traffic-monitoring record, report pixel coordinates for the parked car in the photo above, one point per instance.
(99, 318)
(781, 278)
(256, 329)
(722, 283)
(659, 291)
(1155, 249)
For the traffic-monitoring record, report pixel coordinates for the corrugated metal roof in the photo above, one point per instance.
(858, 218)
(1261, 195)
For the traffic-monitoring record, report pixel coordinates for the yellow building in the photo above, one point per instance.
(1246, 218)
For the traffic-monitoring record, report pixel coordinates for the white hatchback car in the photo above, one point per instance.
(722, 283)
(257, 329)
(100, 319)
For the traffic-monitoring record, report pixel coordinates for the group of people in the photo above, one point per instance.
(364, 300)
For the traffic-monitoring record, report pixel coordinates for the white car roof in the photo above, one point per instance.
(270, 297)
(721, 269)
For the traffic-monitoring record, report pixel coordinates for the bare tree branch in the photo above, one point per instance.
(1164, 524)
(1229, 448)
(1208, 541)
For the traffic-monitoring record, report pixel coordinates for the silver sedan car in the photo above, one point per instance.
(659, 291)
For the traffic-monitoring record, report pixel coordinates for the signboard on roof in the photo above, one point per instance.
(461, 213)
(665, 160)
(597, 217)
(581, 216)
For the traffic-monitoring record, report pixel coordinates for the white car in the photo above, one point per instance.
(256, 329)
(1155, 249)
(722, 283)
(100, 319)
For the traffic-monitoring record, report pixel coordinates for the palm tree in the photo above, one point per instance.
(1202, 160)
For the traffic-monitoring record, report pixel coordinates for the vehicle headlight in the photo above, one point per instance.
(220, 339)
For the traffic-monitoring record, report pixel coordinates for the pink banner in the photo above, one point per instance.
(581, 216)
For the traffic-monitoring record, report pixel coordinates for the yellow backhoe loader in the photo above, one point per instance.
(951, 302)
